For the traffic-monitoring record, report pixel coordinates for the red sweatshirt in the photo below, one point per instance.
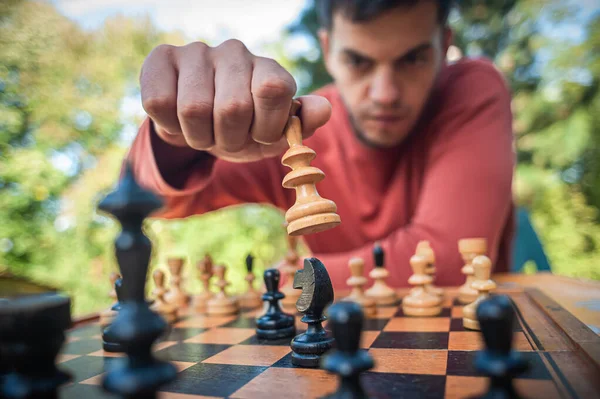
(450, 179)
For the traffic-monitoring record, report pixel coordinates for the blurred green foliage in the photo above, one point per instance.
(62, 140)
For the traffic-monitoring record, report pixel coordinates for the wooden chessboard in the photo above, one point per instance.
(414, 357)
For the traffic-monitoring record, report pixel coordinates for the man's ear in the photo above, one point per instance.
(448, 38)
(324, 41)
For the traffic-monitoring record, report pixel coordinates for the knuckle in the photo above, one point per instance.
(236, 109)
(196, 110)
(275, 88)
(197, 47)
(163, 50)
(155, 105)
(233, 45)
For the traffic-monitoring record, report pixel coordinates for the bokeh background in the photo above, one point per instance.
(70, 107)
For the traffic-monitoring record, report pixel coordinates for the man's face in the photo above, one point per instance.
(385, 68)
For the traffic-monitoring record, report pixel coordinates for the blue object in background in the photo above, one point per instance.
(527, 245)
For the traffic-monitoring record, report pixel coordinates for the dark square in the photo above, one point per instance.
(391, 385)
(188, 352)
(411, 340)
(181, 334)
(85, 331)
(444, 313)
(80, 391)
(285, 362)
(374, 324)
(456, 324)
(241, 322)
(213, 379)
(82, 347)
(85, 367)
(463, 363)
(254, 340)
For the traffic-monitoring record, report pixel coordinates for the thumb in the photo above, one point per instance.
(314, 113)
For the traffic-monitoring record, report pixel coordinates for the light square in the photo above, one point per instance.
(367, 338)
(410, 361)
(418, 324)
(458, 387)
(456, 312)
(385, 312)
(249, 355)
(204, 321)
(473, 341)
(230, 336)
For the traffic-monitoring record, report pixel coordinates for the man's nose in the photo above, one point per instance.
(384, 88)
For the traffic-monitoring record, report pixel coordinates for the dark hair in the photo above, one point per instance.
(364, 10)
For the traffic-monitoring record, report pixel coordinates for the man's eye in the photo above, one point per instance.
(356, 62)
(419, 58)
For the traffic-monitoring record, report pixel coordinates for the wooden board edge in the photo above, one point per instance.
(580, 334)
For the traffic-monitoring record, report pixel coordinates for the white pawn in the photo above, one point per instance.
(175, 295)
(167, 310)
(205, 271)
(482, 267)
(424, 249)
(419, 302)
(469, 248)
(221, 303)
(357, 281)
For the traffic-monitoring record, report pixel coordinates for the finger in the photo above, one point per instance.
(158, 82)
(314, 113)
(232, 115)
(195, 95)
(272, 90)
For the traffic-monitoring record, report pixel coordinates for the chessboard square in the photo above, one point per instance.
(408, 361)
(202, 321)
(103, 353)
(392, 385)
(87, 331)
(374, 324)
(288, 382)
(219, 380)
(473, 341)
(254, 340)
(457, 325)
(458, 387)
(462, 363)
(187, 352)
(222, 335)
(249, 355)
(85, 367)
(65, 358)
(384, 313)
(181, 334)
(418, 324)
(81, 347)
(457, 312)
(241, 322)
(174, 395)
(444, 313)
(367, 338)
(411, 340)
(95, 380)
(81, 391)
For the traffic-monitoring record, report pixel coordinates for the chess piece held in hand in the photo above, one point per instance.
(205, 272)
(380, 291)
(498, 361)
(347, 360)
(274, 324)
(357, 281)
(166, 309)
(175, 294)
(251, 299)
(317, 293)
(221, 303)
(469, 248)
(482, 267)
(420, 302)
(311, 213)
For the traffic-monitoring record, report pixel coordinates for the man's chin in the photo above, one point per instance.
(381, 140)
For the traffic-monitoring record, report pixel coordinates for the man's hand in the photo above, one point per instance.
(223, 100)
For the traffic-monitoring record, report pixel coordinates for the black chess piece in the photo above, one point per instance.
(378, 255)
(274, 324)
(498, 361)
(109, 342)
(317, 293)
(32, 331)
(249, 263)
(136, 327)
(346, 359)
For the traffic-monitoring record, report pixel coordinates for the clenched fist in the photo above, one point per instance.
(223, 100)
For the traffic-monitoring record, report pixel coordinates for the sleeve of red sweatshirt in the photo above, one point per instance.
(211, 183)
(467, 183)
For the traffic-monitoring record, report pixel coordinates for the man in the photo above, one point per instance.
(413, 149)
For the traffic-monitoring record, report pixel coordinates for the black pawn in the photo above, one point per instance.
(378, 255)
(109, 342)
(274, 324)
(32, 331)
(498, 361)
(347, 360)
(249, 263)
(317, 293)
(136, 327)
